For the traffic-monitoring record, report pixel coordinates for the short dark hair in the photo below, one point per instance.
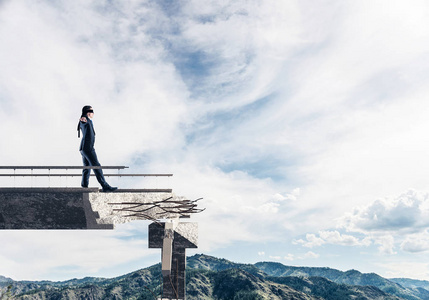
(85, 109)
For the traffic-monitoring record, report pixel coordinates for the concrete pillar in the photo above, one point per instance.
(185, 236)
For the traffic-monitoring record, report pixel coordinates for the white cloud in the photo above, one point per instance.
(266, 208)
(334, 237)
(293, 196)
(311, 241)
(356, 113)
(405, 269)
(311, 254)
(52, 74)
(407, 213)
(331, 237)
(387, 244)
(289, 256)
(388, 222)
(293, 257)
(418, 242)
(67, 253)
(235, 200)
(245, 40)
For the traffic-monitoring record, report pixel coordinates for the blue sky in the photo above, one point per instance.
(302, 124)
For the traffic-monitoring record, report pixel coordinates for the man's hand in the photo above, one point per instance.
(83, 119)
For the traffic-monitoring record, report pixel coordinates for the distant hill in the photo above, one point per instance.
(5, 279)
(214, 278)
(351, 277)
(411, 283)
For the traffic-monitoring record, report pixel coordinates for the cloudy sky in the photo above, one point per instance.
(302, 124)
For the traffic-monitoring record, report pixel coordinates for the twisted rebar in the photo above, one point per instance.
(183, 208)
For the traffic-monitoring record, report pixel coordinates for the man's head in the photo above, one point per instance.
(87, 111)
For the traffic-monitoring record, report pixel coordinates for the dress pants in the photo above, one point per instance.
(89, 158)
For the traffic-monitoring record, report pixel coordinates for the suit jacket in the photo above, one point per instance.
(88, 135)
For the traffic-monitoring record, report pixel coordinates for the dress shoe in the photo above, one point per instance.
(107, 189)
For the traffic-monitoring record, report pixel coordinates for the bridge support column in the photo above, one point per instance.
(173, 239)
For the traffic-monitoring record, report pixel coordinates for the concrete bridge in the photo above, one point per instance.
(54, 208)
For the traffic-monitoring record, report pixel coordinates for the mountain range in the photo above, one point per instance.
(209, 277)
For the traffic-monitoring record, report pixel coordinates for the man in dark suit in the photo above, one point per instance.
(87, 150)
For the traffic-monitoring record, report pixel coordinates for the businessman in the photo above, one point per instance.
(87, 150)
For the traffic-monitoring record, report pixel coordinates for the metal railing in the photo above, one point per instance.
(62, 167)
(19, 171)
(49, 168)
